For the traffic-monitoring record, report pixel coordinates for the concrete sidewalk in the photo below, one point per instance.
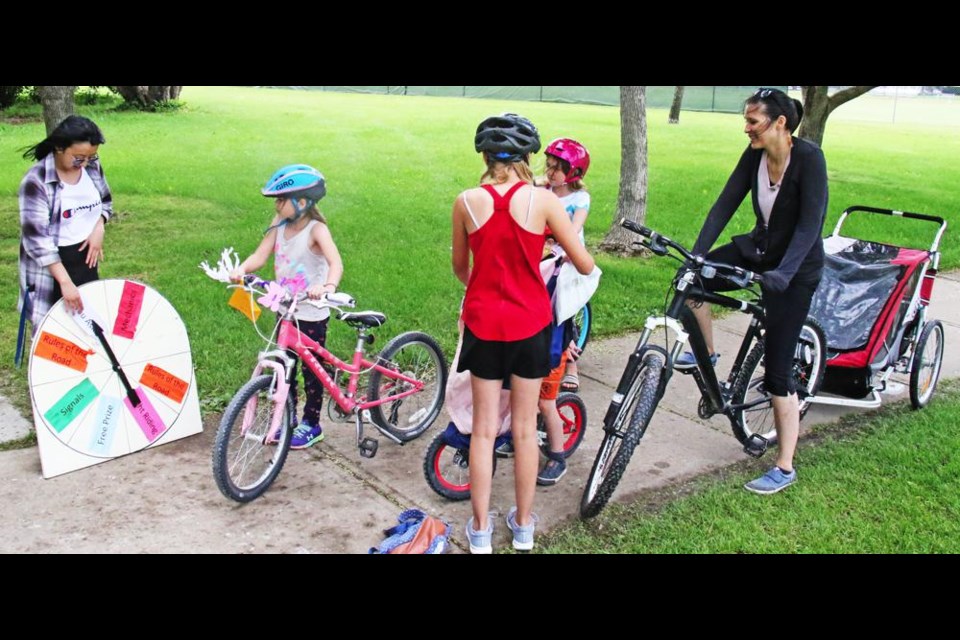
(329, 500)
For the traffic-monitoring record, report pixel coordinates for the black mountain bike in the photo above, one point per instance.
(742, 397)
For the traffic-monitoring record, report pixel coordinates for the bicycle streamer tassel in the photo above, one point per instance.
(242, 299)
(228, 263)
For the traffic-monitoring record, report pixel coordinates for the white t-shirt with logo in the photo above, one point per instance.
(80, 207)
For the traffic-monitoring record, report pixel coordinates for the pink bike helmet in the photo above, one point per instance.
(574, 153)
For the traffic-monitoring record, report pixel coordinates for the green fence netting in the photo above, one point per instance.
(723, 98)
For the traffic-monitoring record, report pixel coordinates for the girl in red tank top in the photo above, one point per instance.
(507, 315)
(506, 297)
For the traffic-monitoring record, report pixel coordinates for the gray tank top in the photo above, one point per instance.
(292, 258)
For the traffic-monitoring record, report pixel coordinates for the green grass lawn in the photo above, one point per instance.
(887, 484)
(186, 184)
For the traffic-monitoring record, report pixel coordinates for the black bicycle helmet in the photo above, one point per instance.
(508, 137)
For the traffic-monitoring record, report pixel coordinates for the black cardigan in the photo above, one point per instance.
(792, 243)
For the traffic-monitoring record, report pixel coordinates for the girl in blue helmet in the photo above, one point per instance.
(305, 256)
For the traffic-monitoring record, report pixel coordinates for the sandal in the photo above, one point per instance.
(570, 382)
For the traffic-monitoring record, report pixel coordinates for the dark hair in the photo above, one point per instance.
(73, 129)
(776, 103)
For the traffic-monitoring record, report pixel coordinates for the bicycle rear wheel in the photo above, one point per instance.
(622, 437)
(447, 469)
(809, 365)
(418, 356)
(245, 463)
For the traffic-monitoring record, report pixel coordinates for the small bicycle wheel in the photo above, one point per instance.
(418, 356)
(447, 469)
(573, 413)
(622, 437)
(927, 361)
(583, 321)
(246, 460)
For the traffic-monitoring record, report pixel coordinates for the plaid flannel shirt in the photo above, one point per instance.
(39, 196)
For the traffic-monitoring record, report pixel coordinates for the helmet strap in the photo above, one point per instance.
(297, 213)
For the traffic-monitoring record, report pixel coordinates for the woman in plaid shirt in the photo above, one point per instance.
(64, 203)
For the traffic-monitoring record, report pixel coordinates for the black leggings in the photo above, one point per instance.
(313, 388)
(785, 315)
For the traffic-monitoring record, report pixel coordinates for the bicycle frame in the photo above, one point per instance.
(291, 339)
(680, 321)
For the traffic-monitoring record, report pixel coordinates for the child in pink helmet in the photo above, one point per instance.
(567, 164)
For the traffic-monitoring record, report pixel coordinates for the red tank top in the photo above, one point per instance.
(506, 298)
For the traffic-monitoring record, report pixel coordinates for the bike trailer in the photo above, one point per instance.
(871, 304)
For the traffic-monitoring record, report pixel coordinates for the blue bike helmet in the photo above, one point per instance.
(508, 137)
(296, 181)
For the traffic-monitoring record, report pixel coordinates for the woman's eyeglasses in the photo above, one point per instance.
(78, 161)
(764, 93)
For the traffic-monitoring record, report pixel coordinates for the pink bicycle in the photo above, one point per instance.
(404, 396)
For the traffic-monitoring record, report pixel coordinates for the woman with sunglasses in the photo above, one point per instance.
(64, 203)
(787, 177)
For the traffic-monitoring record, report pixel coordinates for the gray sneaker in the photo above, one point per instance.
(481, 541)
(772, 481)
(522, 536)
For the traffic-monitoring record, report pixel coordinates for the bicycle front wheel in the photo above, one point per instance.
(246, 461)
(573, 415)
(418, 356)
(621, 438)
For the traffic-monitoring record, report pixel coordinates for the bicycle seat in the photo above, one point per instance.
(365, 318)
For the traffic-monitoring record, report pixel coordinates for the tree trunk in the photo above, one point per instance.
(148, 97)
(163, 94)
(675, 107)
(818, 105)
(135, 95)
(57, 104)
(632, 201)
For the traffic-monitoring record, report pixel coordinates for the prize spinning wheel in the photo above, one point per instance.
(112, 380)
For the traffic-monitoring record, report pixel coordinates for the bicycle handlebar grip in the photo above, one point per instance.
(630, 225)
(341, 299)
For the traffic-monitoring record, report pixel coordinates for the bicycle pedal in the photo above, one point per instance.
(368, 447)
(756, 445)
